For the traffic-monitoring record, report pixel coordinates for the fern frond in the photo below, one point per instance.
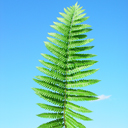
(54, 60)
(55, 48)
(77, 37)
(75, 70)
(48, 94)
(77, 63)
(69, 13)
(69, 124)
(73, 121)
(78, 11)
(64, 70)
(62, 28)
(79, 92)
(80, 26)
(64, 21)
(51, 115)
(51, 73)
(49, 107)
(53, 67)
(81, 31)
(80, 20)
(58, 36)
(77, 107)
(51, 124)
(81, 83)
(79, 43)
(79, 16)
(80, 56)
(77, 115)
(60, 55)
(58, 42)
(81, 74)
(50, 86)
(67, 17)
(52, 100)
(80, 49)
(51, 80)
(59, 126)
(80, 98)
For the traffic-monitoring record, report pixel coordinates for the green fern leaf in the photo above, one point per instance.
(50, 86)
(58, 36)
(53, 67)
(69, 124)
(64, 21)
(64, 70)
(80, 49)
(74, 122)
(50, 80)
(74, 70)
(51, 115)
(61, 55)
(58, 42)
(80, 98)
(77, 63)
(51, 73)
(55, 48)
(81, 31)
(48, 94)
(77, 107)
(80, 20)
(80, 92)
(79, 56)
(51, 124)
(54, 60)
(79, 116)
(81, 83)
(79, 16)
(67, 17)
(81, 74)
(69, 13)
(79, 43)
(59, 126)
(62, 28)
(49, 107)
(77, 37)
(52, 100)
(80, 26)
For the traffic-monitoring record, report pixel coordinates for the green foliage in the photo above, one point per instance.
(65, 70)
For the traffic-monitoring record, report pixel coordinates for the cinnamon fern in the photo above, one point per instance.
(65, 70)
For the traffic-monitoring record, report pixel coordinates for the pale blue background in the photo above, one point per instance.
(25, 24)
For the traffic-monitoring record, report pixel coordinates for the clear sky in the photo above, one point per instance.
(24, 25)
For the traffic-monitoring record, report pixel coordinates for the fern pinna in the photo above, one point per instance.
(65, 69)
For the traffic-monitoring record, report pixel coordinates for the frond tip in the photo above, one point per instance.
(65, 70)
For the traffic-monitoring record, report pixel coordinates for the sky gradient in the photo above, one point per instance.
(25, 24)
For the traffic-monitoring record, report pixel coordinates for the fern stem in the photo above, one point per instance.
(64, 109)
(67, 68)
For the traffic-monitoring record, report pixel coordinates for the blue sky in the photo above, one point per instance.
(25, 24)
